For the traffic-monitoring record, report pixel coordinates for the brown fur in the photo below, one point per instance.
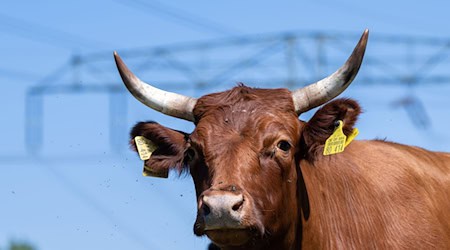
(378, 195)
(373, 195)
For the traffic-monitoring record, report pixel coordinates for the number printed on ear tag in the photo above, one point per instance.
(336, 142)
(145, 147)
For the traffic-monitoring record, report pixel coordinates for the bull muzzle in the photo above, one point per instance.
(222, 210)
(221, 216)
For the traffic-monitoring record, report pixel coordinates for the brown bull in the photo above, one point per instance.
(262, 181)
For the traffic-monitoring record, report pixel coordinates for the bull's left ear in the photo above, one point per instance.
(325, 121)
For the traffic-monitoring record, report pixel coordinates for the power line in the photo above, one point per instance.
(179, 16)
(48, 35)
(19, 75)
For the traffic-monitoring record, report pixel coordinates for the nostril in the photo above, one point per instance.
(206, 209)
(238, 205)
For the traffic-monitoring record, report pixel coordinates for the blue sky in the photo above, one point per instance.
(80, 195)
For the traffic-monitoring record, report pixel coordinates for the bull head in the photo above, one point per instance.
(244, 152)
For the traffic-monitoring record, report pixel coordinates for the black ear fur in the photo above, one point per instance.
(323, 124)
(171, 145)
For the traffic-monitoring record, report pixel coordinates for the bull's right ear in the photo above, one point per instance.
(171, 145)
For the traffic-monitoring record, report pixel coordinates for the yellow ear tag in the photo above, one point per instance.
(336, 142)
(148, 171)
(145, 147)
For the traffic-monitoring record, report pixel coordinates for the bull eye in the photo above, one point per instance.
(284, 145)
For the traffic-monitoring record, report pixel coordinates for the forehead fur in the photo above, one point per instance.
(245, 99)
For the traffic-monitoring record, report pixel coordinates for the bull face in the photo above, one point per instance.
(244, 152)
(241, 157)
(242, 162)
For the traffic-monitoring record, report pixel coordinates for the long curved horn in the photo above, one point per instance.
(326, 89)
(168, 103)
